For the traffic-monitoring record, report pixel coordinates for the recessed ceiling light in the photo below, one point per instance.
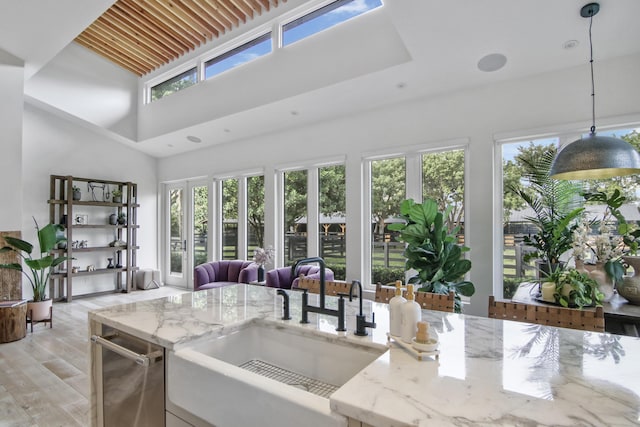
(570, 44)
(492, 62)
(194, 139)
(401, 85)
(227, 130)
(169, 145)
(294, 113)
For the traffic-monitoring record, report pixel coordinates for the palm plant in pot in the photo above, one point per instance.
(556, 205)
(432, 250)
(39, 269)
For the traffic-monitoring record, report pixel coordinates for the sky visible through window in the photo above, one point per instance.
(238, 56)
(314, 23)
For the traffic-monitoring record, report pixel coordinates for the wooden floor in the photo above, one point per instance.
(43, 377)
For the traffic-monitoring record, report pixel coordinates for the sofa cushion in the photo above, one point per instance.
(281, 277)
(223, 273)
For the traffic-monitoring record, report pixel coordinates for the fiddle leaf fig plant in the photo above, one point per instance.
(432, 250)
(40, 268)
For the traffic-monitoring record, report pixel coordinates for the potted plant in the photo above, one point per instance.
(576, 289)
(555, 206)
(39, 268)
(432, 250)
(122, 218)
(77, 194)
(116, 196)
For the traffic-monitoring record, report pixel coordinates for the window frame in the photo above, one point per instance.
(413, 189)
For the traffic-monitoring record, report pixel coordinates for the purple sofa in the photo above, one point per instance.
(281, 277)
(216, 274)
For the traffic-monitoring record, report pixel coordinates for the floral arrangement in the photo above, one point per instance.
(261, 256)
(603, 247)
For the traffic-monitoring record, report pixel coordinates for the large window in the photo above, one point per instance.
(255, 214)
(174, 84)
(517, 157)
(200, 222)
(230, 219)
(331, 219)
(325, 17)
(388, 190)
(295, 213)
(238, 56)
(443, 181)
(437, 175)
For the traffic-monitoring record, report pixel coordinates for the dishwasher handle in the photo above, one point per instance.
(140, 359)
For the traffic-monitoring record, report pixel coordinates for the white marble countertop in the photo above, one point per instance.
(490, 372)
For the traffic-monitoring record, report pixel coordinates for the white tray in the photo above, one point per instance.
(420, 355)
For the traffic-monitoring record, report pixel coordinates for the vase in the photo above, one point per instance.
(598, 273)
(630, 286)
(261, 273)
(39, 310)
(113, 219)
(77, 195)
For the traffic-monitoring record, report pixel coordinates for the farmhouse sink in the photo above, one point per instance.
(264, 373)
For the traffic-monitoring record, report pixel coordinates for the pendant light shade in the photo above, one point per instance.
(595, 157)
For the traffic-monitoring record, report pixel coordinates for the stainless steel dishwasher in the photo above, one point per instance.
(132, 380)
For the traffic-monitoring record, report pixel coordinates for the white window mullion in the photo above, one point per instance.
(413, 177)
(242, 218)
(313, 187)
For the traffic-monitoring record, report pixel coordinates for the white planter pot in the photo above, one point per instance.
(40, 310)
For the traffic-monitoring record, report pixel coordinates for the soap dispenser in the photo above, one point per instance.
(395, 311)
(411, 315)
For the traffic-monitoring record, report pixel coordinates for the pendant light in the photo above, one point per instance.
(594, 157)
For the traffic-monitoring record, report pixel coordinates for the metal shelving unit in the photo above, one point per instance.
(62, 208)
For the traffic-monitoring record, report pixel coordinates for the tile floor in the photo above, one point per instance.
(43, 377)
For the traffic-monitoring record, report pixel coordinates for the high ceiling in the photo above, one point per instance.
(442, 44)
(141, 35)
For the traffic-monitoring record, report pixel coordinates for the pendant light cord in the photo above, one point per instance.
(593, 86)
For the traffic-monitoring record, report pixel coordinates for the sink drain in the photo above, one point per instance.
(290, 378)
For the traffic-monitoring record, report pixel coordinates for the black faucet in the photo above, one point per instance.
(285, 304)
(306, 308)
(361, 320)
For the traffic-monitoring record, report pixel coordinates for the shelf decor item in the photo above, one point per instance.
(39, 268)
(113, 219)
(77, 194)
(116, 196)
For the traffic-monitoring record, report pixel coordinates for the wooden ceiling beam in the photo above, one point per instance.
(108, 52)
(142, 35)
(168, 23)
(123, 46)
(225, 13)
(257, 7)
(186, 16)
(143, 31)
(244, 7)
(199, 8)
(138, 38)
(154, 25)
(234, 11)
(212, 8)
(265, 5)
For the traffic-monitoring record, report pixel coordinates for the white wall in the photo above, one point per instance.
(53, 145)
(88, 86)
(545, 102)
(11, 101)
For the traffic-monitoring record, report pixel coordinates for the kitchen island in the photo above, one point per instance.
(489, 372)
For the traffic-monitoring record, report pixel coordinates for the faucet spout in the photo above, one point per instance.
(321, 309)
(361, 319)
(298, 263)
